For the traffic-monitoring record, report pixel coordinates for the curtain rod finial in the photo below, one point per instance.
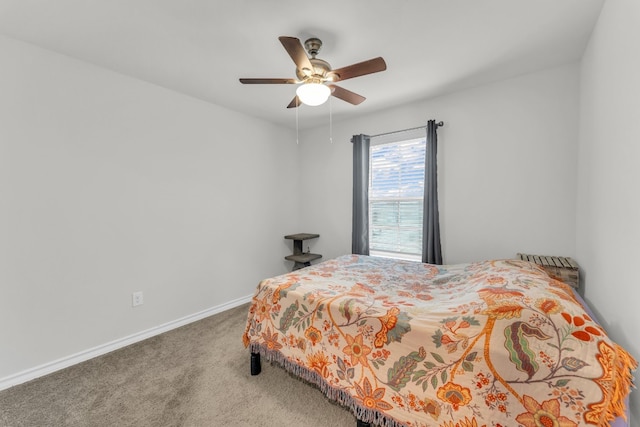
(440, 124)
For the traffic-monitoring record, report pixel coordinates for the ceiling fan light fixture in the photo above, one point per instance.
(313, 94)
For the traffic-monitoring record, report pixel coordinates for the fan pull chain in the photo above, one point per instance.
(297, 139)
(330, 121)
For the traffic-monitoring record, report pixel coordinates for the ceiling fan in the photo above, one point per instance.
(315, 75)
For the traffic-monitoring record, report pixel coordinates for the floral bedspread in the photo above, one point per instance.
(496, 343)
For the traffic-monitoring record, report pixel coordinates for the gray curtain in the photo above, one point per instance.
(431, 250)
(360, 221)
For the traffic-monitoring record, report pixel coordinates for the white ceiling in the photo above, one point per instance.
(202, 47)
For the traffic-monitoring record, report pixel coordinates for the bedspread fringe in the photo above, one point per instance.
(334, 394)
(623, 383)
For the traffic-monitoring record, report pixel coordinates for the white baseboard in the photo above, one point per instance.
(56, 365)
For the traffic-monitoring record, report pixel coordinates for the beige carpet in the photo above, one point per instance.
(196, 375)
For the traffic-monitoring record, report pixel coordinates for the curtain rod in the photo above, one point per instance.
(404, 130)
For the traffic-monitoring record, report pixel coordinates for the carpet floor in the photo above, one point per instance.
(195, 375)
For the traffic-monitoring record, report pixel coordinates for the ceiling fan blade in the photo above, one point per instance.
(295, 102)
(360, 69)
(346, 95)
(268, 81)
(296, 51)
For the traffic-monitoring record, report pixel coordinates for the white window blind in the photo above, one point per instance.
(396, 190)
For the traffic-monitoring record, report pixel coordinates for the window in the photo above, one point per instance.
(396, 191)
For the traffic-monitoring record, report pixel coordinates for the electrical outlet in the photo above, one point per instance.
(137, 298)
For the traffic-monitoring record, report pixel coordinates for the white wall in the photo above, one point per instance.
(110, 185)
(608, 214)
(507, 168)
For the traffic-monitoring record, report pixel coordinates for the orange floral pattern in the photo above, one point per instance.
(455, 395)
(370, 398)
(357, 350)
(496, 343)
(545, 414)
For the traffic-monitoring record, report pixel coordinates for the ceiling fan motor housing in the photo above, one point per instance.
(320, 70)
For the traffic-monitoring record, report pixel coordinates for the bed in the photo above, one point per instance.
(400, 343)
